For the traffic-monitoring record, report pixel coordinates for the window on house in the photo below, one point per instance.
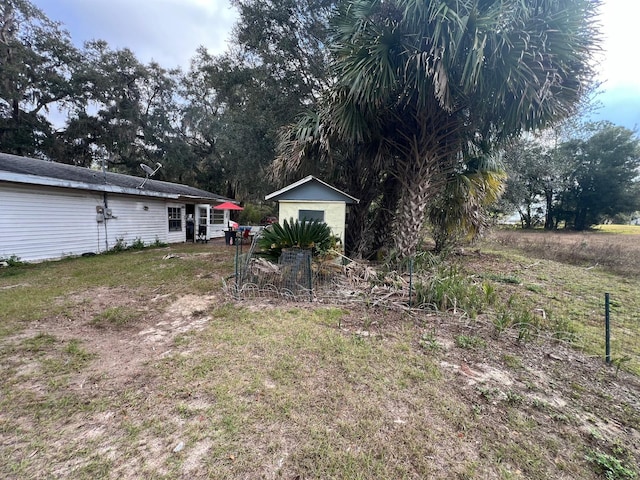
(311, 215)
(216, 217)
(175, 219)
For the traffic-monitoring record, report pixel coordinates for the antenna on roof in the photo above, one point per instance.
(149, 171)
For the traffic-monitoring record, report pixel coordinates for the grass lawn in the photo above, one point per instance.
(137, 365)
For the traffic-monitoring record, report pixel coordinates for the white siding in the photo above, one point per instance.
(131, 221)
(40, 222)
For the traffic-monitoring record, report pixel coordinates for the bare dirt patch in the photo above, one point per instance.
(120, 352)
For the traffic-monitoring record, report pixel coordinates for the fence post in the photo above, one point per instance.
(410, 281)
(310, 277)
(607, 330)
(237, 271)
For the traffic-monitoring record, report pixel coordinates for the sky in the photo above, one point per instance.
(170, 31)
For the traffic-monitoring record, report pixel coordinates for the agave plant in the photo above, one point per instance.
(313, 235)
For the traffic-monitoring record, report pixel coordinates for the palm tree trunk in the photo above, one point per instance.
(410, 216)
(420, 169)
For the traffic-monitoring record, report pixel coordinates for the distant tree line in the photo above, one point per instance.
(587, 178)
(404, 104)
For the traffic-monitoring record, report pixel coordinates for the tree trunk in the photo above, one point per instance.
(525, 217)
(365, 184)
(410, 216)
(581, 220)
(414, 187)
(370, 229)
(548, 219)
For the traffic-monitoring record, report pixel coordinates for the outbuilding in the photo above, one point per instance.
(313, 199)
(52, 210)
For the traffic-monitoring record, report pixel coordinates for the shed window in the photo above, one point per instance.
(175, 219)
(311, 215)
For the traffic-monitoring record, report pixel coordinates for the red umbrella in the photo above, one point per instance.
(228, 206)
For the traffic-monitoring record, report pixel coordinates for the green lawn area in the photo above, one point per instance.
(139, 365)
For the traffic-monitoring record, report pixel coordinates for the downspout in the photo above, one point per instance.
(104, 197)
(106, 236)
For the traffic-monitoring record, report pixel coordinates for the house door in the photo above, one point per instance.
(202, 222)
(190, 222)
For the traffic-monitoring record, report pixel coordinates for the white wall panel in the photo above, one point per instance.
(39, 222)
(132, 221)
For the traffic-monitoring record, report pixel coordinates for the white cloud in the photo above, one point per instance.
(621, 38)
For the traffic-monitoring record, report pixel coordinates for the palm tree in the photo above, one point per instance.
(426, 80)
(460, 209)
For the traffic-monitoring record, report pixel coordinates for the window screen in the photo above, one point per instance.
(216, 217)
(311, 215)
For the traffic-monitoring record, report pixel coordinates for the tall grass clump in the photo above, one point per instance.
(449, 289)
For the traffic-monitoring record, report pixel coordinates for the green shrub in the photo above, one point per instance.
(120, 245)
(428, 342)
(253, 214)
(159, 243)
(12, 261)
(470, 342)
(315, 236)
(137, 244)
(611, 467)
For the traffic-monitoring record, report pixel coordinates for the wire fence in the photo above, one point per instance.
(334, 279)
(331, 278)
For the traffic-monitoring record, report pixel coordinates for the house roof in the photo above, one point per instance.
(311, 188)
(26, 170)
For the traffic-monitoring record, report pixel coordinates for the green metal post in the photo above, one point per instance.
(410, 280)
(310, 278)
(237, 270)
(607, 330)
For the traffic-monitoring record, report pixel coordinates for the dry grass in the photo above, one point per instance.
(138, 367)
(560, 274)
(615, 252)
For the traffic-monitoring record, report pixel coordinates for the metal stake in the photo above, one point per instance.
(410, 279)
(607, 330)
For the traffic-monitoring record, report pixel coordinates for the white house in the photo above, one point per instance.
(51, 210)
(313, 199)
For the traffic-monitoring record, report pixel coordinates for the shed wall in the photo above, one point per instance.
(335, 213)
